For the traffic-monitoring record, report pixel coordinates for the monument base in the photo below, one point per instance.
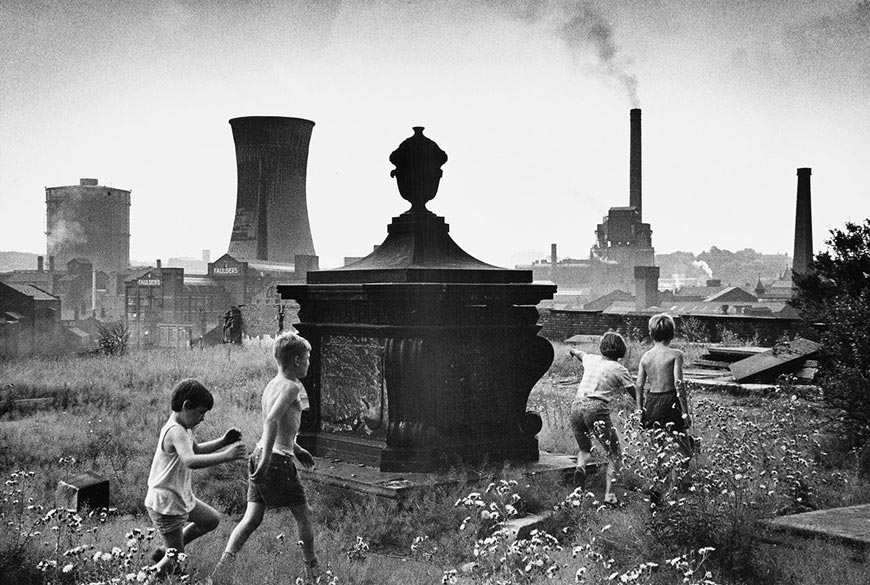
(374, 453)
(368, 480)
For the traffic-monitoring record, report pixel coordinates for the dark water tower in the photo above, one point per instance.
(271, 220)
(88, 221)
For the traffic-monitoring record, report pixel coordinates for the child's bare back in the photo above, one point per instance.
(663, 367)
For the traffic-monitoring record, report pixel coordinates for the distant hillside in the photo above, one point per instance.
(741, 268)
(10, 261)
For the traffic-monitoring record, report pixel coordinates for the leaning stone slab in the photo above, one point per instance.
(765, 367)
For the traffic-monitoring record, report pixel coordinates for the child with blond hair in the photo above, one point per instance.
(666, 405)
(274, 480)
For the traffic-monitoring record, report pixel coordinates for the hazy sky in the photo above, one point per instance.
(530, 100)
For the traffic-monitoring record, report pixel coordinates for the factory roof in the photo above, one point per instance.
(732, 294)
(269, 267)
(699, 292)
(775, 309)
(32, 291)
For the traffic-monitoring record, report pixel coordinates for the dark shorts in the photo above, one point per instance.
(662, 410)
(591, 417)
(281, 488)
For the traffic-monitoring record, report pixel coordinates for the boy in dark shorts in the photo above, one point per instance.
(274, 481)
(666, 405)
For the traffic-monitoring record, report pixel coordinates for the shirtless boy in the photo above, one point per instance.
(666, 405)
(274, 481)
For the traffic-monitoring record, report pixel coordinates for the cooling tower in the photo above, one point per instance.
(803, 223)
(90, 222)
(271, 207)
(634, 163)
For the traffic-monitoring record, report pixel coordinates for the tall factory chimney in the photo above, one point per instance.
(634, 164)
(271, 207)
(803, 224)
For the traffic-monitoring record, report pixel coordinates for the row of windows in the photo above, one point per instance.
(206, 302)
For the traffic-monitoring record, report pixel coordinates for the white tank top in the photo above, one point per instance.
(169, 484)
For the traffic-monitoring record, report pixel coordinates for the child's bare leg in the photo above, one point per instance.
(242, 532)
(171, 540)
(203, 519)
(614, 463)
(305, 529)
(584, 445)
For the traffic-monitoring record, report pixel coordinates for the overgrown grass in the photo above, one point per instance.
(758, 458)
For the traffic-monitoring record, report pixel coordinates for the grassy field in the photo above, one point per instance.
(759, 457)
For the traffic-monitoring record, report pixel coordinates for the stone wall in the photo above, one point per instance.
(559, 325)
(262, 319)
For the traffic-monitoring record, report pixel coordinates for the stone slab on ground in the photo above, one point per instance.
(728, 385)
(849, 526)
(394, 485)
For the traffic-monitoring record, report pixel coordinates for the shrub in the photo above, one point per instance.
(113, 338)
(835, 293)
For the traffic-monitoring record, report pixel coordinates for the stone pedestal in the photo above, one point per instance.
(85, 489)
(422, 356)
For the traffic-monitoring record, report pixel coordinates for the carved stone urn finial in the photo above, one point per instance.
(418, 163)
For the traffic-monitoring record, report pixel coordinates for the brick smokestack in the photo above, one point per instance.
(553, 260)
(634, 164)
(646, 286)
(803, 224)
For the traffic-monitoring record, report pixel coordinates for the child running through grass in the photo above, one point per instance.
(178, 515)
(274, 480)
(604, 378)
(666, 405)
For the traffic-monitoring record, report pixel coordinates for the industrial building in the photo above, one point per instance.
(30, 323)
(89, 221)
(167, 308)
(622, 241)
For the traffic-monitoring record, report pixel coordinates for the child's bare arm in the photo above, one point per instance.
(177, 437)
(231, 436)
(639, 384)
(577, 353)
(682, 394)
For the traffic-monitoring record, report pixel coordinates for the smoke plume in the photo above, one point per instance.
(581, 26)
(68, 233)
(603, 260)
(703, 266)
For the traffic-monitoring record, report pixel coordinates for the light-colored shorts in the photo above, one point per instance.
(167, 523)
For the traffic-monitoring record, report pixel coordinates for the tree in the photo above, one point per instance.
(835, 293)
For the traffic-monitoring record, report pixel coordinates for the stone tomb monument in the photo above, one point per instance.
(422, 356)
